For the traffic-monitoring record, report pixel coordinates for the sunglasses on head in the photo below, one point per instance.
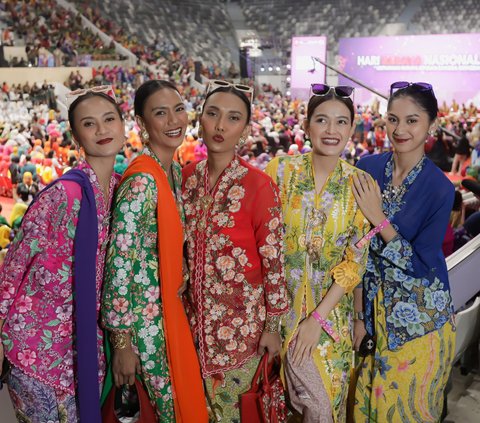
(401, 85)
(214, 84)
(343, 91)
(104, 89)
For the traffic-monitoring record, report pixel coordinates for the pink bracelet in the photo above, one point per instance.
(372, 233)
(326, 326)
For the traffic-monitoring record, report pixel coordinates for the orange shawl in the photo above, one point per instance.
(189, 397)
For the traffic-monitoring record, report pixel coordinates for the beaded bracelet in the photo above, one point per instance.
(326, 326)
(372, 233)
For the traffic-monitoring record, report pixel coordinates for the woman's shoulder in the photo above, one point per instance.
(349, 169)
(136, 183)
(190, 168)
(436, 178)
(373, 162)
(254, 175)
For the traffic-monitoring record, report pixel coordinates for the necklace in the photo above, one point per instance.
(393, 194)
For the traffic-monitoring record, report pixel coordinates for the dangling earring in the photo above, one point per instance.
(242, 141)
(200, 132)
(145, 137)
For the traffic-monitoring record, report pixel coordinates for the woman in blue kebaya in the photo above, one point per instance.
(407, 298)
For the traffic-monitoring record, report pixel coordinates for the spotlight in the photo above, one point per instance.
(288, 93)
(289, 66)
(288, 79)
(262, 68)
(270, 68)
(277, 68)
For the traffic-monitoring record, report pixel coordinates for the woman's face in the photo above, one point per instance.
(98, 127)
(224, 122)
(329, 128)
(165, 119)
(407, 125)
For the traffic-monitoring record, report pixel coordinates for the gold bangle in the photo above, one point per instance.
(118, 340)
(272, 324)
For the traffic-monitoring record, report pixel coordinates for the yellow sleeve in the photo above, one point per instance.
(349, 273)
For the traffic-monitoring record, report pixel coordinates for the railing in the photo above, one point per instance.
(464, 272)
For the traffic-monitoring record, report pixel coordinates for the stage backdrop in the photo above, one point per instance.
(304, 71)
(450, 62)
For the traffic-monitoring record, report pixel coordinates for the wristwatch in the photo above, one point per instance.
(118, 340)
(358, 315)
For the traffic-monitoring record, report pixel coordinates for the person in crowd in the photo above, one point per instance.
(52, 278)
(16, 216)
(462, 151)
(28, 166)
(27, 189)
(237, 290)
(324, 258)
(408, 306)
(142, 308)
(3, 219)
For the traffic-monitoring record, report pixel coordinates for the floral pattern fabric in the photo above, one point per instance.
(132, 301)
(411, 266)
(36, 284)
(407, 300)
(224, 395)
(320, 248)
(33, 401)
(235, 260)
(405, 385)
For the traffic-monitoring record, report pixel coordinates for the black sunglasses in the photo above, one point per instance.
(343, 91)
(401, 85)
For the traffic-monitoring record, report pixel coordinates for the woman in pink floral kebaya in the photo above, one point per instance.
(49, 272)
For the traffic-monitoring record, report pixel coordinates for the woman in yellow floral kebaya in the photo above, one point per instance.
(323, 262)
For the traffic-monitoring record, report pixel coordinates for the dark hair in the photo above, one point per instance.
(146, 90)
(457, 202)
(316, 100)
(86, 96)
(425, 99)
(28, 157)
(238, 93)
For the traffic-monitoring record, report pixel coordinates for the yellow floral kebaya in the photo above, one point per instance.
(321, 232)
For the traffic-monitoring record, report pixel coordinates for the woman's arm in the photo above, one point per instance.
(346, 275)
(135, 200)
(268, 226)
(414, 259)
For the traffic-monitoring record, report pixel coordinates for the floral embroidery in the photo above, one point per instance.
(415, 305)
(38, 270)
(132, 299)
(235, 260)
(321, 233)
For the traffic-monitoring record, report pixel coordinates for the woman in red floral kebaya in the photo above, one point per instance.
(234, 234)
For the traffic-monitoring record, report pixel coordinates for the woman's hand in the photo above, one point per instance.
(270, 342)
(124, 366)
(308, 335)
(359, 333)
(369, 198)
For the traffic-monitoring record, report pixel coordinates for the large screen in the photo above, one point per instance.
(304, 71)
(450, 62)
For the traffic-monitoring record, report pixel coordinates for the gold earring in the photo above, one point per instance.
(145, 137)
(200, 132)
